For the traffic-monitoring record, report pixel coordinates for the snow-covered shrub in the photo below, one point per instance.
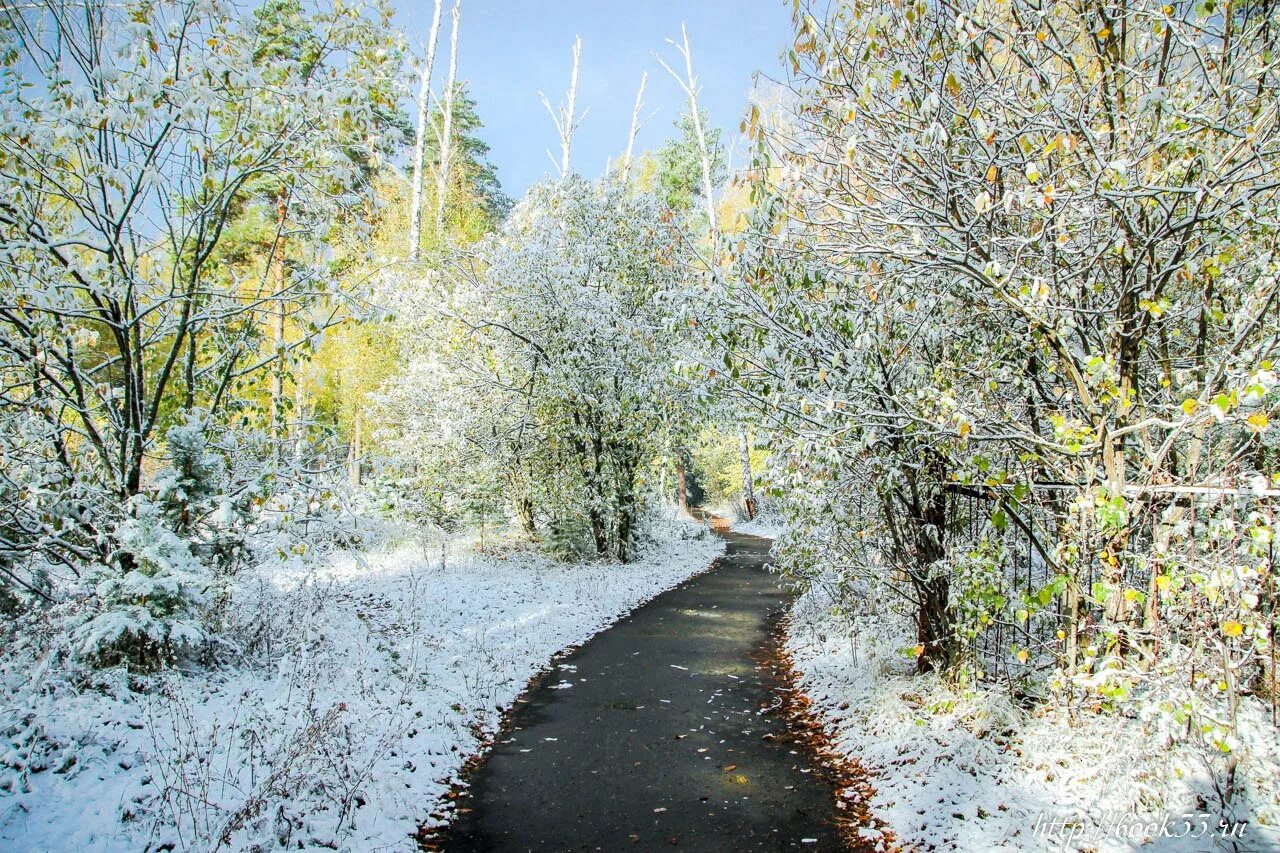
(201, 498)
(173, 548)
(663, 522)
(149, 611)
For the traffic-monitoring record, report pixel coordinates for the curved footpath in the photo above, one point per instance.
(659, 733)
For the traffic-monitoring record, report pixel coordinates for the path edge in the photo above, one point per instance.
(453, 802)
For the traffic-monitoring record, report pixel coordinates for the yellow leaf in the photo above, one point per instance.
(1022, 655)
(991, 174)
(1189, 406)
(1232, 628)
(918, 651)
(1258, 421)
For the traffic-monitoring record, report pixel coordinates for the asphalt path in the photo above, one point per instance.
(660, 733)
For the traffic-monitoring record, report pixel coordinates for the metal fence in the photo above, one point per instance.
(1025, 572)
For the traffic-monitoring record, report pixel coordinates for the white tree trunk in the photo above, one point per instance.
(689, 83)
(748, 486)
(355, 454)
(635, 127)
(445, 137)
(420, 141)
(566, 120)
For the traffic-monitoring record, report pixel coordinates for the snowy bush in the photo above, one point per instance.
(150, 609)
(175, 546)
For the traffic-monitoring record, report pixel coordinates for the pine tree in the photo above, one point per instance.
(476, 202)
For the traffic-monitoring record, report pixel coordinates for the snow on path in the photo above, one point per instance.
(377, 678)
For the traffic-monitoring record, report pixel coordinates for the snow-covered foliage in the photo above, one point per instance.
(363, 683)
(175, 545)
(553, 357)
(958, 768)
(1008, 306)
(140, 155)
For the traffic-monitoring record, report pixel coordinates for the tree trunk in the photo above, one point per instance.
(625, 503)
(445, 138)
(420, 141)
(599, 531)
(748, 487)
(278, 426)
(524, 513)
(682, 488)
(933, 626)
(354, 461)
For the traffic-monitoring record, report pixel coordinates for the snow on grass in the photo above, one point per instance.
(768, 523)
(766, 528)
(969, 770)
(363, 685)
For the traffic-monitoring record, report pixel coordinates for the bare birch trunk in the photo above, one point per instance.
(635, 127)
(446, 131)
(420, 141)
(565, 119)
(748, 487)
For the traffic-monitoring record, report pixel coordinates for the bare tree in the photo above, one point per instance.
(565, 118)
(444, 131)
(689, 84)
(635, 126)
(420, 140)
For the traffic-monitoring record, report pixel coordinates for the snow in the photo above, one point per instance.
(762, 527)
(768, 523)
(959, 769)
(362, 685)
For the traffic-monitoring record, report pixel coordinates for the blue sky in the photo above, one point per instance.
(508, 50)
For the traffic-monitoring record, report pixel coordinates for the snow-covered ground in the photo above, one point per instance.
(767, 528)
(363, 685)
(968, 770)
(768, 524)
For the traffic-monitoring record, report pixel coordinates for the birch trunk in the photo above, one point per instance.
(748, 487)
(445, 138)
(635, 127)
(420, 141)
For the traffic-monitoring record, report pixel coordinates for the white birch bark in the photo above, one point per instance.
(565, 118)
(420, 140)
(445, 137)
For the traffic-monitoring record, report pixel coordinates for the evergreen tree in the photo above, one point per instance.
(679, 166)
(476, 202)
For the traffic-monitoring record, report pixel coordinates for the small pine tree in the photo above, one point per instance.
(174, 546)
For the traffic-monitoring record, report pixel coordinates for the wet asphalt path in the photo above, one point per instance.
(663, 740)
